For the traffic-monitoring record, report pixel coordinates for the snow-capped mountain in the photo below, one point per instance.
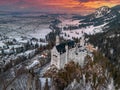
(100, 16)
(102, 11)
(99, 21)
(108, 41)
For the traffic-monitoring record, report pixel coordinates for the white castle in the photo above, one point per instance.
(62, 53)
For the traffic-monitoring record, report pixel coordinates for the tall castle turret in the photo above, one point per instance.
(67, 52)
(57, 40)
(62, 27)
(82, 41)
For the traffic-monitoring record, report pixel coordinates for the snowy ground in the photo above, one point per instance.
(40, 32)
(15, 27)
(77, 33)
(68, 22)
(17, 31)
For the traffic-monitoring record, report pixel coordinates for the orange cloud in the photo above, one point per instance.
(63, 3)
(96, 4)
(72, 6)
(79, 6)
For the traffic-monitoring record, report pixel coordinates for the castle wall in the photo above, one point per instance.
(77, 56)
(62, 60)
(74, 54)
(55, 57)
(71, 54)
(80, 58)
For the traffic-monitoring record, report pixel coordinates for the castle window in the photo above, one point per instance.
(12, 89)
(76, 53)
(55, 55)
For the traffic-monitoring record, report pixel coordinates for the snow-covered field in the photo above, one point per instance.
(37, 27)
(67, 22)
(40, 32)
(21, 35)
(77, 33)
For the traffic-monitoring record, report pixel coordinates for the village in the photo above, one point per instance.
(23, 57)
(31, 62)
(14, 51)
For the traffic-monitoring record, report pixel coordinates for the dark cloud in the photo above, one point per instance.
(82, 0)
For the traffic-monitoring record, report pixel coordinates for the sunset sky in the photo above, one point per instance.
(58, 6)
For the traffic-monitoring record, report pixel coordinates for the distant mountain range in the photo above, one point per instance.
(111, 17)
(116, 8)
(101, 16)
(108, 42)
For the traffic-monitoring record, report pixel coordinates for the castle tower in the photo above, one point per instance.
(57, 40)
(76, 49)
(66, 60)
(62, 27)
(82, 41)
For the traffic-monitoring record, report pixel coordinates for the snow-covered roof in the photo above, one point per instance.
(1, 44)
(8, 51)
(23, 41)
(15, 46)
(34, 63)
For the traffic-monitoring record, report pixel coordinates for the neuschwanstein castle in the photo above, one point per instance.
(62, 53)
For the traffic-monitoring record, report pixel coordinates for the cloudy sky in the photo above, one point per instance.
(69, 6)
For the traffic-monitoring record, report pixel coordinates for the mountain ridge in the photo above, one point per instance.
(117, 7)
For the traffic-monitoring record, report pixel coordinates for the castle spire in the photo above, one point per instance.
(61, 27)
